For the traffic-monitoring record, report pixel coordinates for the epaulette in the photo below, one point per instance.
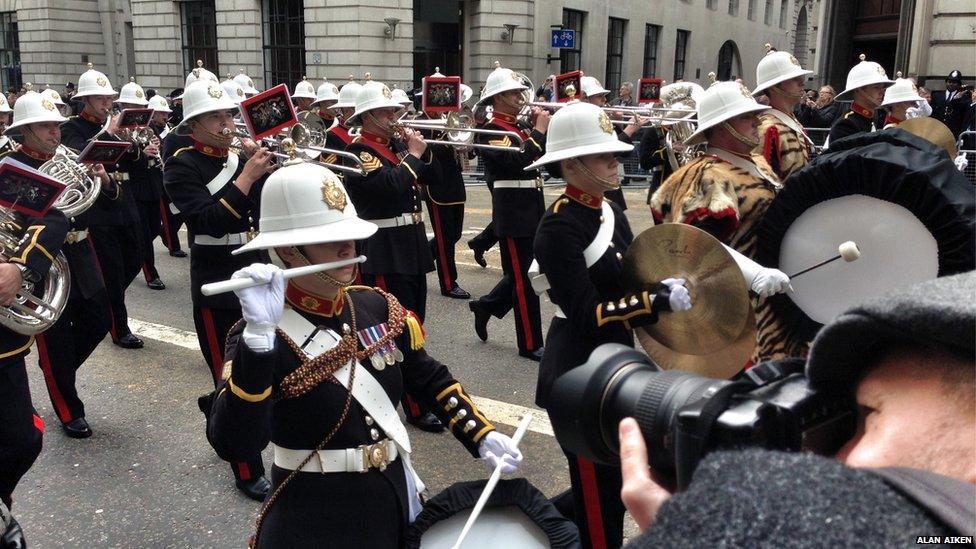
(178, 151)
(848, 113)
(559, 204)
(359, 288)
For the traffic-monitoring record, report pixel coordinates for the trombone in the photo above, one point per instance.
(454, 126)
(290, 153)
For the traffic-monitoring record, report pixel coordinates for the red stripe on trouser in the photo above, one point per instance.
(216, 356)
(39, 423)
(435, 211)
(145, 272)
(243, 470)
(412, 404)
(591, 502)
(165, 219)
(381, 282)
(111, 315)
(44, 359)
(520, 293)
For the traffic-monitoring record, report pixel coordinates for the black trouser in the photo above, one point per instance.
(119, 254)
(21, 429)
(484, 240)
(212, 326)
(447, 221)
(515, 291)
(597, 508)
(411, 292)
(171, 223)
(65, 346)
(149, 215)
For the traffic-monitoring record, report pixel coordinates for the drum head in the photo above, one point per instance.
(507, 523)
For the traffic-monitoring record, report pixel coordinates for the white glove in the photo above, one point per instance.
(679, 299)
(961, 161)
(262, 305)
(495, 448)
(770, 281)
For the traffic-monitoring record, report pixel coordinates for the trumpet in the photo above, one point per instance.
(459, 130)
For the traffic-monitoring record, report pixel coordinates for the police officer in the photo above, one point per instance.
(951, 105)
(517, 206)
(389, 195)
(170, 220)
(594, 93)
(582, 263)
(782, 141)
(217, 192)
(320, 496)
(113, 232)
(64, 347)
(866, 83)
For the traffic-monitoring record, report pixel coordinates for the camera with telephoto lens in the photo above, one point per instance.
(684, 416)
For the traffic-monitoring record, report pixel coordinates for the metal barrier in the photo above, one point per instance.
(968, 138)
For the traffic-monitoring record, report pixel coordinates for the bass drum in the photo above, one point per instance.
(517, 515)
(899, 197)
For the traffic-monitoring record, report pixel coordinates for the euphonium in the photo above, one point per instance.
(81, 189)
(29, 314)
(681, 99)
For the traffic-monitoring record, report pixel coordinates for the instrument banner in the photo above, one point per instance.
(27, 190)
(135, 118)
(269, 112)
(649, 91)
(103, 152)
(442, 94)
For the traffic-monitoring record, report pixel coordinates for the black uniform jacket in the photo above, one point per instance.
(250, 411)
(172, 143)
(225, 212)
(85, 275)
(857, 120)
(40, 241)
(76, 133)
(450, 189)
(391, 188)
(515, 212)
(598, 308)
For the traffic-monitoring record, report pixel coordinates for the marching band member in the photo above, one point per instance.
(64, 347)
(579, 248)
(303, 96)
(113, 232)
(517, 206)
(782, 141)
(725, 192)
(898, 98)
(6, 144)
(55, 98)
(145, 185)
(170, 219)
(389, 195)
(595, 94)
(217, 193)
(246, 84)
(866, 83)
(342, 455)
(338, 137)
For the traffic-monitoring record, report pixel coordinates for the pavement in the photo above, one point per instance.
(148, 478)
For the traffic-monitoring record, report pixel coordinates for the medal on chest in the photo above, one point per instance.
(386, 355)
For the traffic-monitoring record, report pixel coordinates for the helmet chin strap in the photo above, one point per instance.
(606, 184)
(794, 96)
(322, 275)
(747, 141)
(385, 128)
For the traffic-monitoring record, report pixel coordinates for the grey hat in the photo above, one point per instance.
(938, 313)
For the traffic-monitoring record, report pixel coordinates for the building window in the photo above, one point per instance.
(711, 4)
(729, 64)
(615, 53)
(733, 7)
(651, 35)
(768, 17)
(283, 22)
(9, 52)
(751, 13)
(569, 59)
(680, 51)
(198, 25)
(784, 9)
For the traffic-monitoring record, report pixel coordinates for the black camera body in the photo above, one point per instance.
(684, 416)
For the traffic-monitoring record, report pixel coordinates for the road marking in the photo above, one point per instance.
(496, 410)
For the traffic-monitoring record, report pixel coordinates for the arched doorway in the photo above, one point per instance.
(729, 64)
(801, 47)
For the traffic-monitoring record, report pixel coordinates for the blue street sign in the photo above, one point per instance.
(563, 38)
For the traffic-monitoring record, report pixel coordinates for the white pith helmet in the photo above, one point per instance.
(245, 81)
(579, 129)
(348, 94)
(303, 204)
(203, 97)
(901, 91)
(304, 90)
(132, 93)
(32, 108)
(92, 82)
(4, 106)
(401, 97)
(51, 94)
(327, 91)
(233, 90)
(373, 95)
(865, 73)
(722, 101)
(499, 81)
(592, 87)
(777, 67)
(158, 103)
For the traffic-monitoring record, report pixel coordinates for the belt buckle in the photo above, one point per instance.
(375, 455)
(71, 238)
(538, 183)
(417, 217)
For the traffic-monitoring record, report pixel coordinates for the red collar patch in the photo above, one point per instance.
(316, 304)
(890, 119)
(85, 115)
(377, 139)
(505, 117)
(863, 111)
(584, 198)
(36, 155)
(209, 150)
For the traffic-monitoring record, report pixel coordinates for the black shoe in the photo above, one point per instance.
(129, 341)
(13, 536)
(177, 253)
(481, 317)
(77, 428)
(479, 256)
(535, 355)
(427, 422)
(156, 284)
(205, 403)
(457, 293)
(256, 488)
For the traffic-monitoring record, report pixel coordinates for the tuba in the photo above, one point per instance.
(678, 99)
(30, 314)
(81, 188)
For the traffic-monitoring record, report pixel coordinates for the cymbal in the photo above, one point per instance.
(933, 131)
(719, 295)
(722, 364)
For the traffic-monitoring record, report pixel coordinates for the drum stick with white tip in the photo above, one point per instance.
(240, 283)
(848, 251)
(523, 426)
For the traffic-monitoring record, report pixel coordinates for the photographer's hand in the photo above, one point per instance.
(641, 494)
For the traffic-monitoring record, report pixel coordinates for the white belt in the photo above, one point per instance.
(559, 312)
(399, 221)
(233, 239)
(518, 183)
(76, 236)
(344, 460)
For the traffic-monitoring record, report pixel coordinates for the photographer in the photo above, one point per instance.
(908, 360)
